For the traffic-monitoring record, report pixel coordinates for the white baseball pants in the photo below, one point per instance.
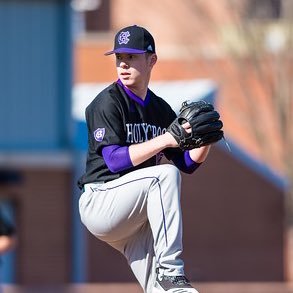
(139, 214)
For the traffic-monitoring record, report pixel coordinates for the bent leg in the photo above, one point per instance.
(120, 211)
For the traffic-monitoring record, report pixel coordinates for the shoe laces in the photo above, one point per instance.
(179, 280)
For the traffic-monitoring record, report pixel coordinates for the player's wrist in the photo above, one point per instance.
(199, 155)
(170, 140)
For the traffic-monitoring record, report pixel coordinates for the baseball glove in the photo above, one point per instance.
(204, 122)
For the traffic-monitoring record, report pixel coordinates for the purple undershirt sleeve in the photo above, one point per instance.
(185, 163)
(117, 158)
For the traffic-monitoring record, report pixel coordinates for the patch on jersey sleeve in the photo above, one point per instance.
(99, 134)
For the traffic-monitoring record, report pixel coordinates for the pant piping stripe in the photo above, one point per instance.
(161, 199)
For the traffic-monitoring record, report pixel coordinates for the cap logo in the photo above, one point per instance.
(123, 38)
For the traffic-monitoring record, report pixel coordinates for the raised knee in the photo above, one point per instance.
(172, 172)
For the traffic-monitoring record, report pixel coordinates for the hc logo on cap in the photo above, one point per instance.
(123, 38)
(133, 40)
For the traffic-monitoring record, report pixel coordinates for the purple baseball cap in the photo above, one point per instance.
(133, 40)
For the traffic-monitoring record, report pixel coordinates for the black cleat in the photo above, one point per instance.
(173, 284)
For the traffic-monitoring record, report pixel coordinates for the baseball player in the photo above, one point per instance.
(7, 235)
(128, 199)
(8, 239)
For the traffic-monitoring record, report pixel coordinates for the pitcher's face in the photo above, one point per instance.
(134, 69)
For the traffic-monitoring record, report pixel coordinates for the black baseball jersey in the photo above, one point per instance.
(113, 118)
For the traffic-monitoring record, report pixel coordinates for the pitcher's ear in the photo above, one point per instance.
(154, 59)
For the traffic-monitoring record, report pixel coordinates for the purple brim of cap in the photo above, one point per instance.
(125, 50)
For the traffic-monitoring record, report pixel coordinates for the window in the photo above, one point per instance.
(264, 9)
(98, 19)
(91, 16)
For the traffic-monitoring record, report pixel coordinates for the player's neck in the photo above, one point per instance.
(140, 92)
